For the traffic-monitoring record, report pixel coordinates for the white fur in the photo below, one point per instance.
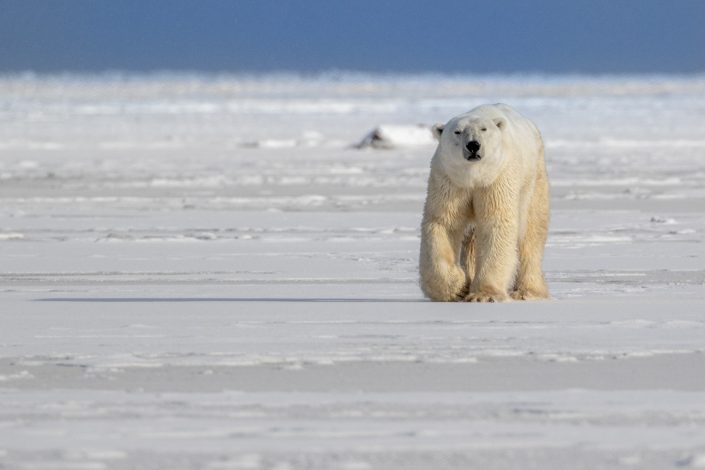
(490, 214)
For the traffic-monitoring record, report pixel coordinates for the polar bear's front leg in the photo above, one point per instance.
(442, 279)
(496, 254)
(496, 262)
(467, 256)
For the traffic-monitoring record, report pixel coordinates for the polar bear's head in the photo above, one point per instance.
(470, 138)
(470, 148)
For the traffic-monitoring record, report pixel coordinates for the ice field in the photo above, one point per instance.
(204, 272)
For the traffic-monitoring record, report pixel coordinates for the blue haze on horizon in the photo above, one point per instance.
(414, 36)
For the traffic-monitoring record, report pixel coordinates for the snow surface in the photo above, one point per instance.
(204, 273)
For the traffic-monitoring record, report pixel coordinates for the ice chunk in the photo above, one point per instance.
(394, 136)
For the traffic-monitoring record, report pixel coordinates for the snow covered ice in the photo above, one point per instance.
(203, 272)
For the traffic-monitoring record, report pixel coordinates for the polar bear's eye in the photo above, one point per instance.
(457, 132)
(483, 129)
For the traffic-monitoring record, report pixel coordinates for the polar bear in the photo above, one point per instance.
(486, 215)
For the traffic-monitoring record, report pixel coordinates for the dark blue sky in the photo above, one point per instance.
(565, 36)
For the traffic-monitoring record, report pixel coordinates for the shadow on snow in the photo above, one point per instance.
(219, 299)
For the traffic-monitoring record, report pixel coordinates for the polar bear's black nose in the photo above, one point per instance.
(473, 146)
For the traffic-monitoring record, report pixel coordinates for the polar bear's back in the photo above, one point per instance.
(521, 127)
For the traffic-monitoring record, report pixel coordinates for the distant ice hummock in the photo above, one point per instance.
(395, 136)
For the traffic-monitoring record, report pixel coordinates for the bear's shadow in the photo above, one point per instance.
(221, 299)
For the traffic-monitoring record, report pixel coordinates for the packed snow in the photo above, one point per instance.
(208, 272)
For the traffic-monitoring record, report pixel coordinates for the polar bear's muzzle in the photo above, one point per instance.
(471, 150)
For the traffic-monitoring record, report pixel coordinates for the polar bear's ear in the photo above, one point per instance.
(437, 130)
(499, 122)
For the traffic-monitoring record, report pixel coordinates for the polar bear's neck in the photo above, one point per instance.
(469, 175)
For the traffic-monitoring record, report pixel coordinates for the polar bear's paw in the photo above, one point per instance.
(486, 295)
(446, 290)
(454, 295)
(529, 294)
(460, 296)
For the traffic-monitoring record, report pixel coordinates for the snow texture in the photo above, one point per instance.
(204, 273)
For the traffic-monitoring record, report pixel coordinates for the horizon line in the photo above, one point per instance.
(336, 73)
